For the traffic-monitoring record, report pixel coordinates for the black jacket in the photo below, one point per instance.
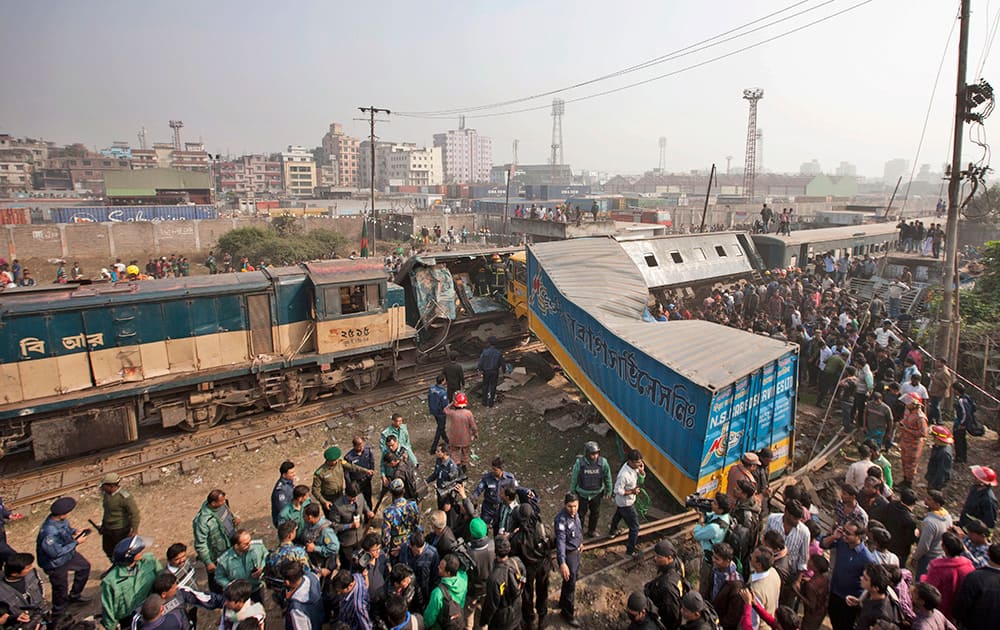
(979, 598)
(502, 607)
(900, 522)
(664, 591)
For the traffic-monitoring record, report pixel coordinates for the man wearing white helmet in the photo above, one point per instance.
(128, 582)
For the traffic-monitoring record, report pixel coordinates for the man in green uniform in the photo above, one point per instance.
(397, 427)
(121, 514)
(214, 527)
(328, 480)
(128, 582)
(293, 511)
(591, 480)
(245, 560)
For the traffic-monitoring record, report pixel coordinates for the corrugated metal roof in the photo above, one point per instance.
(152, 178)
(845, 232)
(599, 276)
(345, 270)
(126, 293)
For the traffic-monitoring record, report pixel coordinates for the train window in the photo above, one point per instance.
(651, 260)
(359, 298)
(676, 257)
(331, 298)
(699, 253)
(720, 250)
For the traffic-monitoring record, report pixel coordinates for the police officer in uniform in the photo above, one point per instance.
(490, 362)
(591, 481)
(328, 480)
(667, 588)
(489, 488)
(282, 493)
(57, 554)
(569, 544)
(128, 582)
(121, 514)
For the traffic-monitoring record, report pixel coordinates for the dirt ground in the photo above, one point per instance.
(538, 428)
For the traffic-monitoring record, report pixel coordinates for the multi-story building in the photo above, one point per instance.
(145, 158)
(467, 156)
(87, 171)
(193, 157)
(118, 149)
(401, 164)
(343, 152)
(20, 160)
(298, 171)
(250, 173)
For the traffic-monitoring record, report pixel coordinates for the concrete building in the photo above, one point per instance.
(343, 152)
(87, 171)
(298, 171)
(16, 171)
(401, 164)
(467, 157)
(846, 169)
(193, 157)
(250, 173)
(118, 150)
(810, 168)
(894, 169)
(144, 158)
(533, 175)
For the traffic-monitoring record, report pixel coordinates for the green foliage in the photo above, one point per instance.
(286, 225)
(268, 245)
(982, 304)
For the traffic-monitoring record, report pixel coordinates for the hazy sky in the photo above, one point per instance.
(255, 76)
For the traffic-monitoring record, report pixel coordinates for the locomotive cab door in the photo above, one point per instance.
(259, 316)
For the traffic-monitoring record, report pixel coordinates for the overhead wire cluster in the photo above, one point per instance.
(742, 31)
(979, 96)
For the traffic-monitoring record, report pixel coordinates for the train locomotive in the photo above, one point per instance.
(85, 368)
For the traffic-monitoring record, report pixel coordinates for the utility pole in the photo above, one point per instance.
(947, 341)
(708, 192)
(372, 111)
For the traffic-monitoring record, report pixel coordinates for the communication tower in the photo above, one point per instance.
(142, 139)
(663, 153)
(750, 165)
(558, 109)
(176, 126)
(729, 163)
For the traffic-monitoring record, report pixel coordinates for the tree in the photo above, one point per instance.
(271, 246)
(984, 205)
(286, 225)
(982, 304)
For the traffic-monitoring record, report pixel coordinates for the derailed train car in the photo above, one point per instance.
(458, 300)
(693, 396)
(83, 368)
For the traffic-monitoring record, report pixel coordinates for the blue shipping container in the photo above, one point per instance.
(120, 214)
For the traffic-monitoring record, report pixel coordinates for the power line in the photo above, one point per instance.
(665, 75)
(927, 116)
(676, 54)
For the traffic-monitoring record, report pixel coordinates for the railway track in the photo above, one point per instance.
(41, 484)
(678, 524)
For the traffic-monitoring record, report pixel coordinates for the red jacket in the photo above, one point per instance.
(947, 574)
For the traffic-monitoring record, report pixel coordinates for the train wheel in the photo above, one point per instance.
(363, 381)
(198, 417)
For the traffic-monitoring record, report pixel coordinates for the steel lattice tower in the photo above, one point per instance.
(176, 126)
(663, 153)
(558, 109)
(750, 165)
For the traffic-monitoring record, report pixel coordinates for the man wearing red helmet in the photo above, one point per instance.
(981, 504)
(462, 430)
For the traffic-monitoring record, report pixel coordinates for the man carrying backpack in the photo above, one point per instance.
(502, 608)
(482, 556)
(532, 543)
(444, 610)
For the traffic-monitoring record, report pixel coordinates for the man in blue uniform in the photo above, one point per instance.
(361, 455)
(489, 488)
(282, 493)
(57, 555)
(489, 364)
(569, 544)
(437, 400)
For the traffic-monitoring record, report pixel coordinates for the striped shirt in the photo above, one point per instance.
(796, 541)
